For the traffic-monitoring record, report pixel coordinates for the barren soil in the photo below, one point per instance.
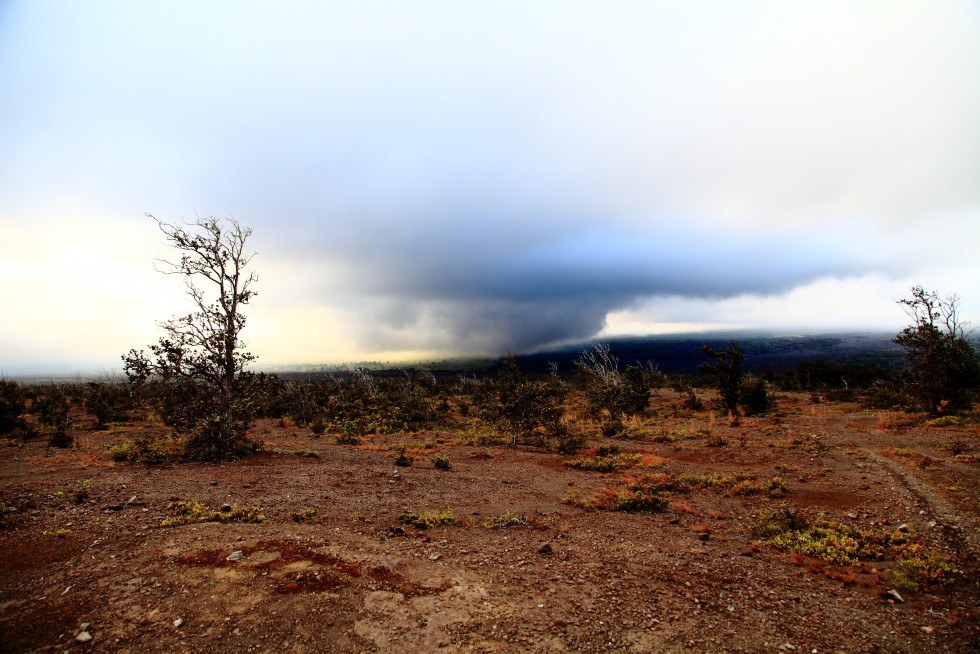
(353, 578)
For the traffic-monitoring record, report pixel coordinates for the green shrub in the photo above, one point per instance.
(429, 519)
(607, 463)
(187, 512)
(303, 514)
(402, 457)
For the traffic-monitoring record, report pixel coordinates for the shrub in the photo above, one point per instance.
(13, 403)
(504, 520)
(318, 426)
(81, 493)
(567, 441)
(442, 462)
(757, 397)
(429, 519)
(303, 514)
(692, 402)
(607, 463)
(186, 512)
(402, 457)
(52, 406)
(148, 452)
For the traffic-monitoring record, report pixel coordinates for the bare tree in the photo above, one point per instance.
(203, 349)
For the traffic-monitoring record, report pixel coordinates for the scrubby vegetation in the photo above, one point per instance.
(187, 512)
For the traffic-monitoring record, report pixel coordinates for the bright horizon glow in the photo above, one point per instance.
(452, 179)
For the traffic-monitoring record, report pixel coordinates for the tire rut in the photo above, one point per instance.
(964, 532)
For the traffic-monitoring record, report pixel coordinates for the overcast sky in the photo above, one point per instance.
(435, 178)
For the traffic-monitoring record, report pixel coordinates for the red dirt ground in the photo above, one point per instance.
(353, 578)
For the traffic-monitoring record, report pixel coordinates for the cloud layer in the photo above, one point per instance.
(466, 178)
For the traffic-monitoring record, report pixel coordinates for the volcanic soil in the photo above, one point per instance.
(526, 567)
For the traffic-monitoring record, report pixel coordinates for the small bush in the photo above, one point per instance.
(81, 493)
(318, 426)
(504, 520)
(147, 452)
(715, 440)
(442, 462)
(303, 514)
(402, 458)
(757, 398)
(429, 519)
(605, 463)
(612, 427)
(187, 512)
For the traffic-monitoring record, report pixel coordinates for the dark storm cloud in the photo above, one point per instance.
(491, 176)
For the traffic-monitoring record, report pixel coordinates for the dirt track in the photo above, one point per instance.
(354, 578)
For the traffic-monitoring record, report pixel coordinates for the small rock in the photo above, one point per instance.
(179, 622)
(928, 629)
(704, 536)
(225, 508)
(788, 647)
(895, 595)
(852, 516)
(545, 548)
(434, 557)
(674, 521)
(83, 637)
(214, 482)
(84, 626)
(131, 500)
(236, 555)
(776, 493)
(904, 528)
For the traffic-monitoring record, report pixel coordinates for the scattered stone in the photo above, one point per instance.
(236, 555)
(852, 516)
(84, 626)
(545, 548)
(704, 535)
(225, 508)
(928, 629)
(434, 557)
(132, 500)
(179, 622)
(787, 647)
(776, 493)
(895, 596)
(214, 482)
(83, 637)
(674, 521)
(904, 528)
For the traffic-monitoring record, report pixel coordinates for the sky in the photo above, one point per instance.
(438, 178)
